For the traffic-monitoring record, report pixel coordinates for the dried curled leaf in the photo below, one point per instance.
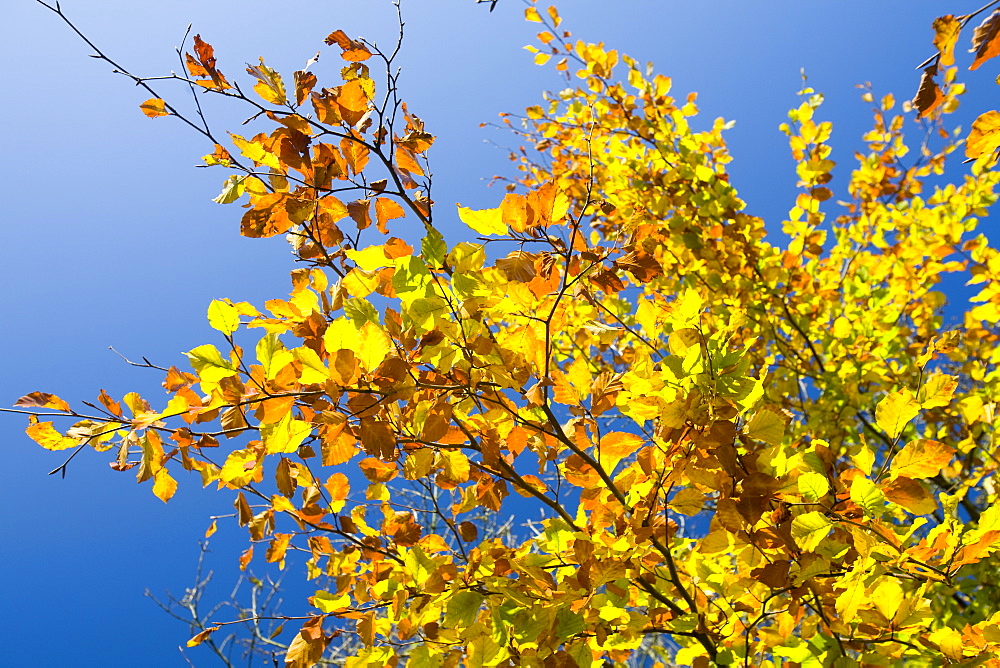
(929, 96)
(353, 50)
(985, 42)
(42, 400)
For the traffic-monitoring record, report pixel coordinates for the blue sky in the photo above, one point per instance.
(111, 238)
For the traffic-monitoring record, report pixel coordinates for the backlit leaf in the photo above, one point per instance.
(946, 31)
(985, 42)
(809, 529)
(42, 400)
(921, 458)
(894, 411)
(984, 137)
(154, 107)
(223, 316)
(485, 221)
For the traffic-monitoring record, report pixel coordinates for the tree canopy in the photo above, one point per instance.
(745, 447)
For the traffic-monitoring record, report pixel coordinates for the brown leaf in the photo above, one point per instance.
(304, 652)
(985, 42)
(468, 531)
(929, 95)
(378, 439)
(360, 212)
(518, 266)
(44, 400)
(304, 83)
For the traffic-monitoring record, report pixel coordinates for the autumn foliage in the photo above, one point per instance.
(748, 447)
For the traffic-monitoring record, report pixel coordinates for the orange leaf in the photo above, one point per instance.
(922, 458)
(353, 50)
(985, 40)
(984, 136)
(910, 494)
(377, 470)
(204, 65)
(386, 210)
(304, 83)
(154, 107)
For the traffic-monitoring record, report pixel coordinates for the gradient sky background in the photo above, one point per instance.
(110, 236)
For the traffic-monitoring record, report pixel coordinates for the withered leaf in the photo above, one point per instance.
(929, 95)
(353, 50)
(985, 42)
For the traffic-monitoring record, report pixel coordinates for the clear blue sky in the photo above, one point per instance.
(110, 237)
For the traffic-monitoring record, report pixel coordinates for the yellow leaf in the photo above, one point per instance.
(531, 14)
(375, 346)
(223, 316)
(370, 259)
(866, 494)
(888, 596)
(164, 486)
(485, 221)
(894, 411)
(810, 529)
(202, 637)
(946, 30)
(937, 391)
(45, 435)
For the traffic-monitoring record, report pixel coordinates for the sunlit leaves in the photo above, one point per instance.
(710, 420)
